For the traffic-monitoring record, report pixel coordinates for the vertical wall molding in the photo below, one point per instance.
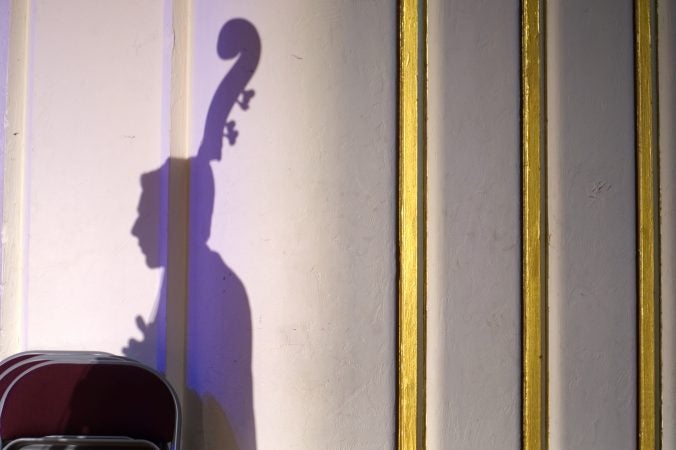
(412, 223)
(647, 172)
(14, 210)
(534, 232)
(178, 194)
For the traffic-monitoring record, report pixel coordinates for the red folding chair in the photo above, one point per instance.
(100, 402)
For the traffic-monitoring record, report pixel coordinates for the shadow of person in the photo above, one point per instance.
(218, 344)
(218, 402)
(218, 405)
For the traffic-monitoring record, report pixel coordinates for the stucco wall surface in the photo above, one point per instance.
(592, 290)
(94, 125)
(473, 387)
(4, 54)
(290, 308)
(305, 214)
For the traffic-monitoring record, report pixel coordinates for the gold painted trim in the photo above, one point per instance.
(647, 171)
(412, 226)
(534, 238)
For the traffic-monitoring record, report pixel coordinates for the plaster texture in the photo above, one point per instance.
(474, 351)
(305, 210)
(4, 59)
(304, 206)
(592, 278)
(4, 56)
(305, 214)
(94, 125)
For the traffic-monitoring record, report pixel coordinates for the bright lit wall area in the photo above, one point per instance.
(288, 334)
(4, 59)
(94, 124)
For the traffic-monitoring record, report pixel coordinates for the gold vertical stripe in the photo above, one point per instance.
(534, 239)
(648, 222)
(411, 321)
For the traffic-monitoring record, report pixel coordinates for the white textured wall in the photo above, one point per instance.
(304, 212)
(592, 300)
(473, 389)
(4, 55)
(94, 125)
(667, 114)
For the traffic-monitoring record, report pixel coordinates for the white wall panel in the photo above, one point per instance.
(4, 55)
(95, 97)
(4, 125)
(592, 299)
(303, 227)
(305, 216)
(474, 351)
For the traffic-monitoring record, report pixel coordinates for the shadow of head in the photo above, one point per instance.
(150, 226)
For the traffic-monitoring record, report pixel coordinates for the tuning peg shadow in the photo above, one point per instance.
(246, 96)
(230, 132)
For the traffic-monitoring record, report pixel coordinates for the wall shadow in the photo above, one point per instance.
(218, 394)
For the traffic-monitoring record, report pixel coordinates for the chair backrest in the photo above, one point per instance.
(104, 397)
(50, 354)
(11, 373)
(14, 365)
(14, 359)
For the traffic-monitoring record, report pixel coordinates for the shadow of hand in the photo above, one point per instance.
(145, 349)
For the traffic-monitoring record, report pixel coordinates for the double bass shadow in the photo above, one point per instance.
(218, 393)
